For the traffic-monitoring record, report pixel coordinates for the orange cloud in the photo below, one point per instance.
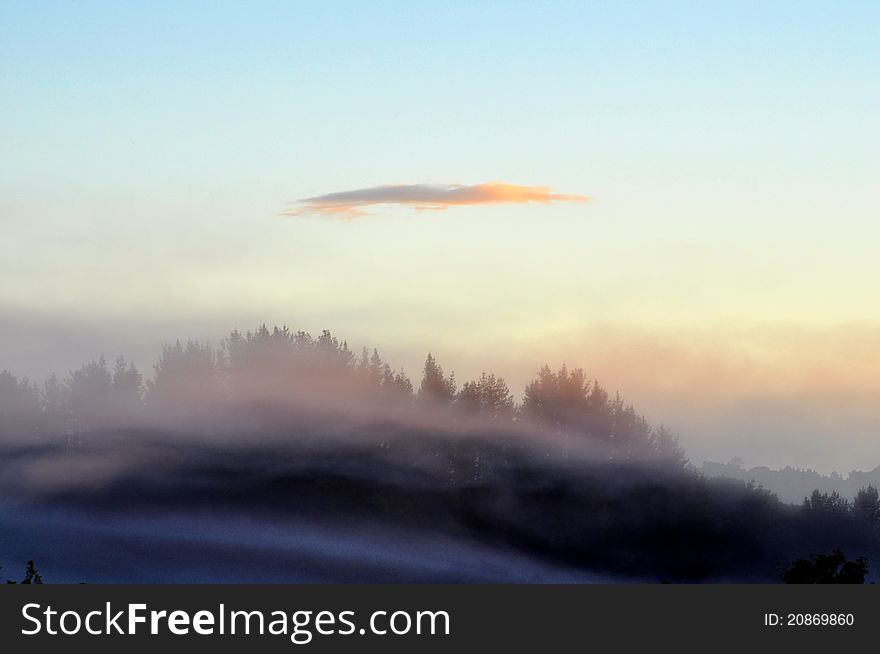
(350, 204)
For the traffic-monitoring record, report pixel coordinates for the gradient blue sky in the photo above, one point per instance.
(147, 150)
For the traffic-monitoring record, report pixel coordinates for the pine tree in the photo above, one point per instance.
(435, 387)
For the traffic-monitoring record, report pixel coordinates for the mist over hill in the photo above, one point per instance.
(277, 456)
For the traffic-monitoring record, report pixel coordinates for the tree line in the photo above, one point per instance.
(268, 367)
(864, 508)
(792, 484)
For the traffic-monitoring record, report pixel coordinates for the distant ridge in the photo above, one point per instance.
(794, 484)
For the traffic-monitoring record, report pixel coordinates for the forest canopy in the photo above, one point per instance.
(277, 375)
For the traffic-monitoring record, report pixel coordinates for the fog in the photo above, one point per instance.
(297, 457)
(772, 396)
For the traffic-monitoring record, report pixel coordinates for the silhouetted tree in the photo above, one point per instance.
(378, 380)
(667, 449)
(866, 506)
(403, 386)
(468, 399)
(128, 387)
(377, 368)
(89, 392)
(630, 433)
(574, 407)
(187, 380)
(559, 398)
(435, 387)
(334, 352)
(261, 361)
(488, 396)
(827, 505)
(20, 410)
(826, 569)
(56, 405)
(373, 372)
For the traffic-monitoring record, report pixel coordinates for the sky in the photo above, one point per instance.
(154, 159)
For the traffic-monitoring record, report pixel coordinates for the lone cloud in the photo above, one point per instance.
(436, 197)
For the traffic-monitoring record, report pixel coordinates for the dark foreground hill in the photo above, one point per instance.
(393, 507)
